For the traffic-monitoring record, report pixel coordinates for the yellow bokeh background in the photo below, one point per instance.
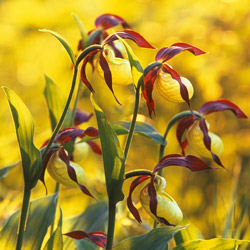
(219, 27)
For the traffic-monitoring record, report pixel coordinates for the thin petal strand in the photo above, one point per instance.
(81, 117)
(95, 147)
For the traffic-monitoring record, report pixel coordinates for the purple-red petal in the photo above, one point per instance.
(130, 204)
(207, 141)
(220, 105)
(149, 80)
(183, 125)
(189, 161)
(167, 53)
(99, 238)
(95, 147)
(107, 21)
(81, 117)
(129, 34)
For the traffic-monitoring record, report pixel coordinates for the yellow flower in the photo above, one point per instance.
(167, 207)
(58, 171)
(120, 68)
(169, 88)
(195, 140)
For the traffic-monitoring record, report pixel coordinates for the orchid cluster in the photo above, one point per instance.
(114, 60)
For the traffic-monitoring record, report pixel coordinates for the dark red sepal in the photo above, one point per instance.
(167, 53)
(130, 204)
(99, 238)
(71, 172)
(45, 162)
(220, 105)
(95, 147)
(189, 161)
(149, 80)
(107, 74)
(153, 202)
(129, 34)
(81, 117)
(88, 58)
(183, 125)
(107, 21)
(207, 141)
(183, 88)
(70, 134)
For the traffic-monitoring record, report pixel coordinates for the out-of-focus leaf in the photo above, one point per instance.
(94, 218)
(55, 102)
(83, 32)
(85, 245)
(31, 156)
(156, 239)
(112, 156)
(40, 216)
(55, 242)
(5, 170)
(141, 128)
(216, 243)
(136, 68)
(191, 232)
(63, 42)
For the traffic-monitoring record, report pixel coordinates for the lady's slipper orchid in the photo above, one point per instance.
(166, 80)
(158, 204)
(196, 129)
(110, 64)
(166, 208)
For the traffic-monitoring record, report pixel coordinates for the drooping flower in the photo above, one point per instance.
(156, 202)
(165, 79)
(113, 69)
(196, 130)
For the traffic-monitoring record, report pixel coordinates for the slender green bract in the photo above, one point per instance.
(31, 156)
(112, 156)
(55, 102)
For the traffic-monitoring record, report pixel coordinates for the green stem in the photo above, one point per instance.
(60, 122)
(57, 189)
(162, 149)
(24, 211)
(111, 225)
(133, 122)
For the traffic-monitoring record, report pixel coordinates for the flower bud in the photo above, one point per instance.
(120, 68)
(167, 207)
(195, 140)
(58, 171)
(169, 88)
(81, 151)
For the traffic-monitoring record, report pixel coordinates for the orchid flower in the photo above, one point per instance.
(165, 79)
(113, 69)
(198, 136)
(156, 202)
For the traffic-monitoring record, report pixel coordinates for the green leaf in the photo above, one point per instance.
(55, 242)
(31, 156)
(63, 42)
(156, 239)
(216, 243)
(136, 68)
(40, 217)
(5, 170)
(55, 102)
(85, 245)
(83, 32)
(141, 128)
(191, 232)
(93, 219)
(112, 156)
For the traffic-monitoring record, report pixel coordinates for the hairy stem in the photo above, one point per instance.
(24, 212)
